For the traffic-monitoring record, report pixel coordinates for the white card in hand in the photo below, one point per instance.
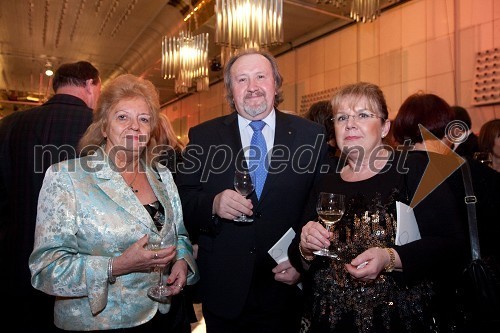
(407, 228)
(279, 251)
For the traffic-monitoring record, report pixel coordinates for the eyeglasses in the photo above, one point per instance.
(361, 116)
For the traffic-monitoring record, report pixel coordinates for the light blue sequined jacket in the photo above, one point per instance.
(87, 214)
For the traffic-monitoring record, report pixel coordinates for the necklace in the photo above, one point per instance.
(131, 185)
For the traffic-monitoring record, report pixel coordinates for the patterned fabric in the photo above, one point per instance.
(257, 161)
(87, 214)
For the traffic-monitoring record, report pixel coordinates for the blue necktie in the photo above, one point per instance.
(257, 161)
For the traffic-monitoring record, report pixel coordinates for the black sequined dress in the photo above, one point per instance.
(393, 302)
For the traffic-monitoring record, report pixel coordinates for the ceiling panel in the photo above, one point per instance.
(122, 36)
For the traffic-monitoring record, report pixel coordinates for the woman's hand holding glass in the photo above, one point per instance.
(313, 237)
(330, 208)
(168, 239)
(137, 258)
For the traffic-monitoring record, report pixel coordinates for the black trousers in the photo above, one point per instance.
(255, 319)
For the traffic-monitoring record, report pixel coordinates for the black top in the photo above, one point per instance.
(469, 146)
(171, 157)
(395, 302)
(157, 213)
(486, 185)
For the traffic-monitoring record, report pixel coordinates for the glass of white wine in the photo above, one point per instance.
(244, 186)
(161, 291)
(330, 209)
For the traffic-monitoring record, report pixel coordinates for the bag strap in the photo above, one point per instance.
(470, 201)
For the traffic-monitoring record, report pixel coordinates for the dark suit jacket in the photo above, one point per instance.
(6, 126)
(233, 258)
(469, 146)
(58, 125)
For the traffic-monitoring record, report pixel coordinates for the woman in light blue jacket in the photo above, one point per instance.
(96, 215)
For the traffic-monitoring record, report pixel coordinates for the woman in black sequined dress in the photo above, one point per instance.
(375, 285)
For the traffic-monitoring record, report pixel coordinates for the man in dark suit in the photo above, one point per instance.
(30, 141)
(470, 145)
(242, 289)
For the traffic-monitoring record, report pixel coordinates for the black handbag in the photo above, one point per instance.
(479, 288)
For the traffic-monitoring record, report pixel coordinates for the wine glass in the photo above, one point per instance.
(244, 186)
(160, 292)
(330, 208)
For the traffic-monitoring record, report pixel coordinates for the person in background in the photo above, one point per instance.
(375, 285)
(6, 126)
(470, 145)
(30, 143)
(171, 146)
(321, 113)
(242, 288)
(489, 141)
(435, 114)
(97, 214)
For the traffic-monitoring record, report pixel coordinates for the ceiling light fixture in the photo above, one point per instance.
(185, 59)
(361, 10)
(243, 24)
(337, 3)
(48, 69)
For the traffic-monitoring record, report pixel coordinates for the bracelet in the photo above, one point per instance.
(111, 278)
(306, 258)
(390, 267)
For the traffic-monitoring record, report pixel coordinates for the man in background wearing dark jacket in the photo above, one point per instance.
(30, 141)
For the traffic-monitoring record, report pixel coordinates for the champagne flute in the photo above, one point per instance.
(330, 209)
(244, 186)
(160, 292)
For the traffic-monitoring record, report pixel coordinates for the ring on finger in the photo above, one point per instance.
(155, 256)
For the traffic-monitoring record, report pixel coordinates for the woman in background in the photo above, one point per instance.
(435, 115)
(169, 146)
(489, 141)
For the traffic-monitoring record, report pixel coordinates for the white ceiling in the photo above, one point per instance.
(123, 36)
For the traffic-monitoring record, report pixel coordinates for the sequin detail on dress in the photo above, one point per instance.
(383, 305)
